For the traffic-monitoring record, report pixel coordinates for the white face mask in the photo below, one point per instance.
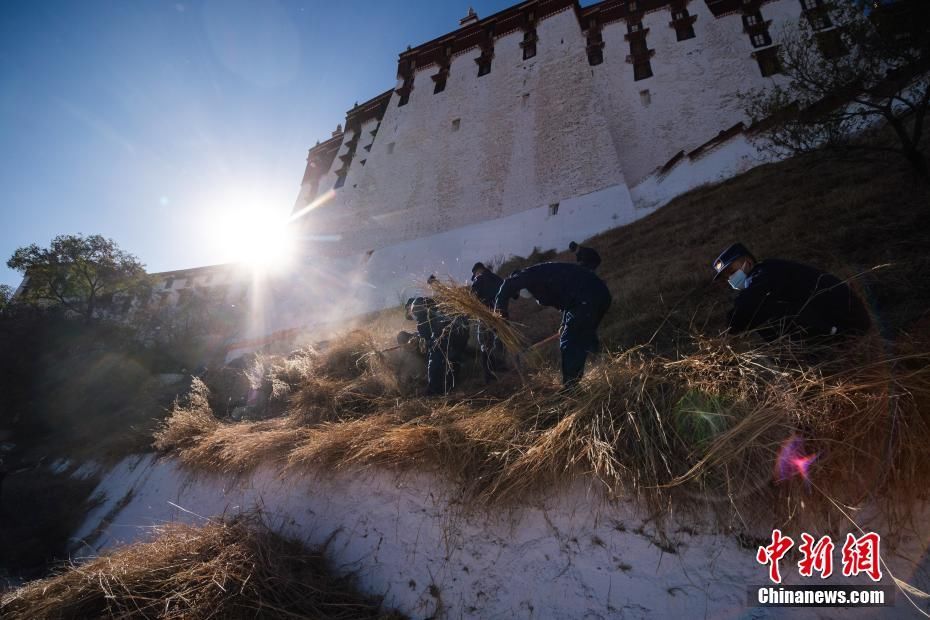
(738, 280)
(525, 294)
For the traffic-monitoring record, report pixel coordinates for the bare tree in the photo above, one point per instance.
(841, 83)
(79, 273)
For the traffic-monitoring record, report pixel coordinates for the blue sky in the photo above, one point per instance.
(142, 120)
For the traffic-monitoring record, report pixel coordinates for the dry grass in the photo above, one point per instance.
(700, 431)
(456, 300)
(235, 569)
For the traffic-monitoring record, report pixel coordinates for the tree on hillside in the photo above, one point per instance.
(80, 273)
(840, 83)
(6, 295)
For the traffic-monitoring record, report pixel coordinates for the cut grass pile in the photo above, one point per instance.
(722, 428)
(231, 569)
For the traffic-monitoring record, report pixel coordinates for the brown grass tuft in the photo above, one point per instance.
(701, 431)
(456, 300)
(191, 420)
(233, 569)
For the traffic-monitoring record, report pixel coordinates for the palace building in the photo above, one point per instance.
(543, 123)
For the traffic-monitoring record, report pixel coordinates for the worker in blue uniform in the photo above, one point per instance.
(445, 341)
(485, 284)
(583, 299)
(779, 298)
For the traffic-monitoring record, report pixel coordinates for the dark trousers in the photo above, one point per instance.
(492, 352)
(578, 336)
(443, 362)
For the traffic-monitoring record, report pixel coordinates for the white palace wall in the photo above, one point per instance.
(691, 94)
(536, 153)
(523, 140)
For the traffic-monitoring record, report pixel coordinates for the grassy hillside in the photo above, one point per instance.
(690, 420)
(845, 217)
(866, 220)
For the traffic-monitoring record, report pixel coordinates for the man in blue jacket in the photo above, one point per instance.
(485, 284)
(582, 297)
(445, 340)
(783, 298)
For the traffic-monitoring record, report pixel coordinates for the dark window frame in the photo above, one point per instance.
(683, 33)
(440, 80)
(753, 19)
(529, 43)
(642, 70)
(484, 64)
(768, 61)
(766, 39)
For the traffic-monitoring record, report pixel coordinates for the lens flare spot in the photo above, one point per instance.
(792, 461)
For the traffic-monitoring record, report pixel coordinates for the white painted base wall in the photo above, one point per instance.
(406, 538)
(324, 290)
(717, 164)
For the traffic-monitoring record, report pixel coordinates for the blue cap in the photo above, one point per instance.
(726, 258)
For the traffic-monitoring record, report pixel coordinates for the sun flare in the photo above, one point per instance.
(253, 237)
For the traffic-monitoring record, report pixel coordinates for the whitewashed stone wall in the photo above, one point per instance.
(525, 139)
(410, 540)
(539, 131)
(434, 196)
(693, 87)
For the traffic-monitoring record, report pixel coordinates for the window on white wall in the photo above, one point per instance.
(390, 148)
(645, 97)
(761, 39)
(683, 24)
(768, 61)
(554, 209)
(642, 70)
(456, 123)
(529, 44)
